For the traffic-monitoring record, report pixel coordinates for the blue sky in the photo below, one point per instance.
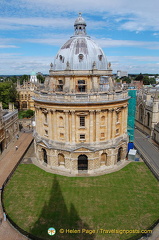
(32, 31)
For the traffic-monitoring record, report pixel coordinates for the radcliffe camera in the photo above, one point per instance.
(79, 121)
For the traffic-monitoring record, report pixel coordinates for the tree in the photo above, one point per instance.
(23, 78)
(26, 114)
(126, 79)
(8, 93)
(40, 78)
(146, 80)
(139, 77)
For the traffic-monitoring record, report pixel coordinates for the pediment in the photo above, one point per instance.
(44, 144)
(82, 149)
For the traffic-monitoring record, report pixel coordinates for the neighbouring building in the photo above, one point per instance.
(26, 92)
(9, 126)
(81, 117)
(147, 112)
(155, 134)
(121, 74)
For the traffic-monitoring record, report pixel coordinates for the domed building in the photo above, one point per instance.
(81, 117)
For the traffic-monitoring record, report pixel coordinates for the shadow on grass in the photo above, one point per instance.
(55, 214)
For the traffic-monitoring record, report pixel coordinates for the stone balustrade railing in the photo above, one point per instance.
(81, 97)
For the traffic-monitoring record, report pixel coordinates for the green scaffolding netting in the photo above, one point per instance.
(131, 114)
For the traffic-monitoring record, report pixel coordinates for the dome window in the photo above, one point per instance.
(60, 86)
(100, 57)
(80, 56)
(61, 58)
(82, 86)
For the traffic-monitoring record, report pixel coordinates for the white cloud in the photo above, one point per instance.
(8, 46)
(137, 15)
(145, 14)
(54, 18)
(60, 39)
(135, 64)
(14, 23)
(127, 43)
(12, 63)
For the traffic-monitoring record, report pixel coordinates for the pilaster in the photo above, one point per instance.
(66, 125)
(91, 130)
(97, 125)
(73, 133)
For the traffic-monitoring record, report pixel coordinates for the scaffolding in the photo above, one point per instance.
(131, 113)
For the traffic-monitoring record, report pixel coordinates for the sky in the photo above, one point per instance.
(32, 31)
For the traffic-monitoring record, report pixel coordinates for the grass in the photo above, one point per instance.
(127, 199)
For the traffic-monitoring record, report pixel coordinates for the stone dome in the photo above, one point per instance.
(80, 52)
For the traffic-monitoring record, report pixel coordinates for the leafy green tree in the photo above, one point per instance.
(8, 93)
(146, 80)
(26, 114)
(13, 79)
(126, 79)
(139, 77)
(152, 81)
(23, 78)
(40, 78)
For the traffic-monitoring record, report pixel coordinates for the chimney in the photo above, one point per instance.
(1, 106)
(11, 107)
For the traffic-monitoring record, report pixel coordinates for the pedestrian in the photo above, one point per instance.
(16, 147)
(4, 216)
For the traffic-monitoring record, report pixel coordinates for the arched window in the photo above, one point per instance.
(141, 113)
(61, 121)
(117, 116)
(120, 152)
(148, 119)
(104, 159)
(61, 159)
(44, 155)
(24, 104)
(103, 120)
(60, 85)
(45, 117)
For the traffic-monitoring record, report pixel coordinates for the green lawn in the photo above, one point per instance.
(127, 199)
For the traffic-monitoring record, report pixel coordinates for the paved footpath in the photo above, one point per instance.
(150, 150)
(8, 160)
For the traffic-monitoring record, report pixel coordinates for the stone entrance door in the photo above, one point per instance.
(82, 162)
(44, 155)
(119, 156)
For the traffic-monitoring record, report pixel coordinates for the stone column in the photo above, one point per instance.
(37, 117)
(54, 121)
(50, 124)
(91, 126)
(125, 119)
(41, 123)
(122, 121)
(97, 125)
(73, 126)
(109, 124)
(66, 125)
(113, 124)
